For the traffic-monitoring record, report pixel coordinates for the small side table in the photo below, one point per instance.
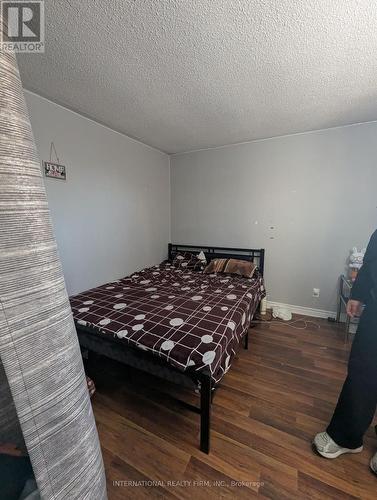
(344, 293)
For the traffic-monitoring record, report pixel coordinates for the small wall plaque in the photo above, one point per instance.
(54, 170)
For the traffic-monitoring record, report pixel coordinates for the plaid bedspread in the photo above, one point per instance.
(192, 320)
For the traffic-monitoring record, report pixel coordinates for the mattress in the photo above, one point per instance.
(193, 321)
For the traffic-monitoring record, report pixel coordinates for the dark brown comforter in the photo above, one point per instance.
(192, 320)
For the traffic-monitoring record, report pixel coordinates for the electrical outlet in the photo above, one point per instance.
(316, 292)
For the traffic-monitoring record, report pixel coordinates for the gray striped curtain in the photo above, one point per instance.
(39, 350)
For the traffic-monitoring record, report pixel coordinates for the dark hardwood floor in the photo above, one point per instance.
(275, 398)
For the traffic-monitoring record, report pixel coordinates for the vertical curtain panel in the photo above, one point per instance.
(39, 349)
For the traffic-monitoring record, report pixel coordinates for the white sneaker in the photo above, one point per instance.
(373, 463)
(328, 448)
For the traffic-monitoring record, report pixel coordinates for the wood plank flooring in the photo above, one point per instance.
(275, 398)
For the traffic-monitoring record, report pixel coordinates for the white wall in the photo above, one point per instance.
(112, 216)
(318, 189)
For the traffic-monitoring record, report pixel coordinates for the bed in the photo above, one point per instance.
(177, 323)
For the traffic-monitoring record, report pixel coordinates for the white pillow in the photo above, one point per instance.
(202, 257)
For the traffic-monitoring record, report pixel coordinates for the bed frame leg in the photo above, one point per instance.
(205, 413)
(246, 344)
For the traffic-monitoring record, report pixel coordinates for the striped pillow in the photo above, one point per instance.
(231, 266)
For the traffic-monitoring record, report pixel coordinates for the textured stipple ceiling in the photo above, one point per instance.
(188, 74)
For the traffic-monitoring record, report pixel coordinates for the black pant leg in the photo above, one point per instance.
(357, 402)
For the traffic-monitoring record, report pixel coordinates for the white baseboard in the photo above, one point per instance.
(305, 311)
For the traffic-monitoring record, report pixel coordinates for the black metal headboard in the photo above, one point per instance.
(253, 254)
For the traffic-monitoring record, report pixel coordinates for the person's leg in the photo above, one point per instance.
(357, 402)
